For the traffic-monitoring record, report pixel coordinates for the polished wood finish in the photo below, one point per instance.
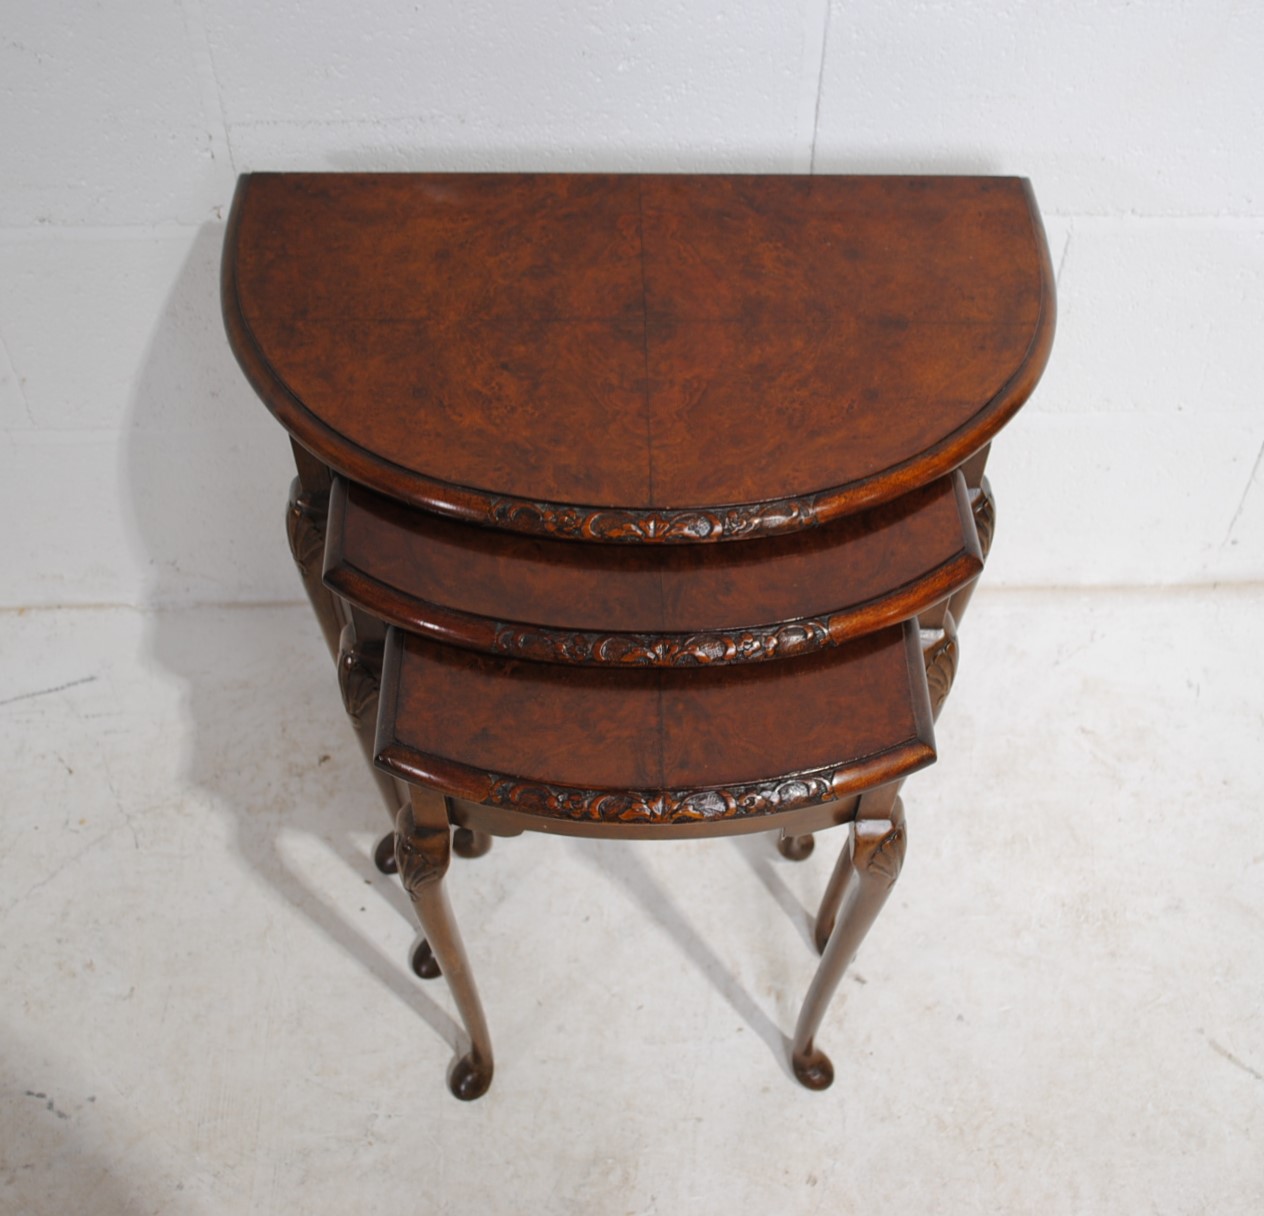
(795, 848)
(384, 854)
(721, 356)
(867, 868)
(522, 405)
(471, 844)
(657, 755)
(677, 605)
(423, 849)
(656, 751)
(983, 508)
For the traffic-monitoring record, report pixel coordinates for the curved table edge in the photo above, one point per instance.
(581, 522)
(711, 806)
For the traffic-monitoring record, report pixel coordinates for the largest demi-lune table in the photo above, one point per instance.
(640, 506)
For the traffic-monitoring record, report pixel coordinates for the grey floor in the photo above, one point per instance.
(206, 1007)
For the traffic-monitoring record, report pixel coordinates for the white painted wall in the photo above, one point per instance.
(136, 466)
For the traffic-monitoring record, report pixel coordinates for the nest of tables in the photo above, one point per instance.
(640, 506)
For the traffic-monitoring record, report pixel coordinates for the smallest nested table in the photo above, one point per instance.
(640, 506)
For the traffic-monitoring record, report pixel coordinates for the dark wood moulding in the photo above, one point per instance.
(542, 599)
(740, 355)
(655, 752)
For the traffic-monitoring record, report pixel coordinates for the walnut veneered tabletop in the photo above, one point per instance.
(651, 605)
(639, 358)
(659, 752)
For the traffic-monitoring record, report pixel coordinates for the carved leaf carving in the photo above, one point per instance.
(422, 856)
(883, 856)
(358, 681)
(662, 806)
(939, 651)
(665, 650)
(983, 506)
(658, 525)
(305, 528)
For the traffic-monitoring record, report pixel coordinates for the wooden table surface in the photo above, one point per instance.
(650, 605)
(656, 751)
(639, 358)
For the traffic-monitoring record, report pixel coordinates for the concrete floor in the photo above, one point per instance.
(207, 1007)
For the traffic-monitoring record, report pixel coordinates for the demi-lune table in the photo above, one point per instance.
(640, 506)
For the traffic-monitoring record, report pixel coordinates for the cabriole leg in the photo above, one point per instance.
(940, 653)
(359, 679)
(468, 843)
(422, 851)
(305, 515)
(795, 848)
(867, 869)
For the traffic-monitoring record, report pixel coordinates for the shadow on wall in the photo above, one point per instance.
(204, 464)
(207, 474)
